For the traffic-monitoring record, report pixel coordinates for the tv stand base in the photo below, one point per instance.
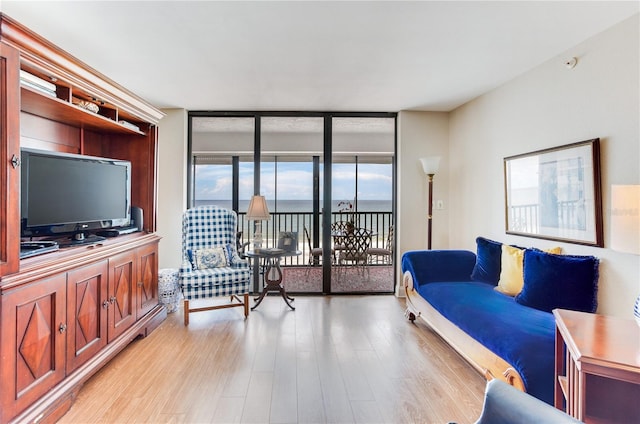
(56, 403)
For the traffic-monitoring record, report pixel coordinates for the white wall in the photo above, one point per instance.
(421, 134)
(546, 107)
(172, 183)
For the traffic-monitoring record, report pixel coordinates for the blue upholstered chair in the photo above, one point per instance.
(211, 266)
(504, 404)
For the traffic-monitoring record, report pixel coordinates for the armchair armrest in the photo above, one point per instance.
(240, 262)
(185, 267)
(504, 404)
(428, 266)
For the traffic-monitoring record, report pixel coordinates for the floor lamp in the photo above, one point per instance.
(258, 211)
(430, 167)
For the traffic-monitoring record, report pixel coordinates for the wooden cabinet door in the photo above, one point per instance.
(33, 343)
(147, 293)
(86, 313)
(122, 293)
(9, 156)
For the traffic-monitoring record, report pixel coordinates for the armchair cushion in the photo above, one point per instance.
(212, 257)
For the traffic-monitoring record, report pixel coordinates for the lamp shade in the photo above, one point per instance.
(430, 164)
(625, 218)
(258, 210)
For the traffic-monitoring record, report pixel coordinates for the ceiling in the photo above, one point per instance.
(316, 56)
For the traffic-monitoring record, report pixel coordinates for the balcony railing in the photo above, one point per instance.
(567, 215)
(378, 222)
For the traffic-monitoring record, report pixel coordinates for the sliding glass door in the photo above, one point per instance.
(290, 151)
(283, 157)
(362, 204)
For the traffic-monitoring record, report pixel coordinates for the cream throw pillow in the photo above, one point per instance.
(511, 273)
(211, 257)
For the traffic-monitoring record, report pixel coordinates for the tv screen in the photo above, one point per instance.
(73, 194)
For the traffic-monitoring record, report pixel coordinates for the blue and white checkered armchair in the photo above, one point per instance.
(211, 266)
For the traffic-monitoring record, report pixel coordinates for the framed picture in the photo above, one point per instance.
(288, 241)
(555, 194)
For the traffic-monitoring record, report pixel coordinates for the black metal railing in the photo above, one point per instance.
(379, 223)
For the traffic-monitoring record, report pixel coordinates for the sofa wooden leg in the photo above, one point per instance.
(186, 312)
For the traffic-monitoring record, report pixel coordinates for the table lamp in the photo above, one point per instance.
(258, 212)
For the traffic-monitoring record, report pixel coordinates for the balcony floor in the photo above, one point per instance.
(376, 279)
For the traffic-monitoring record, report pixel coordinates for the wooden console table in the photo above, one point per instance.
(597, 367)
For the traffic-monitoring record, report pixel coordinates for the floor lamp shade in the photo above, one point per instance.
(430, 164)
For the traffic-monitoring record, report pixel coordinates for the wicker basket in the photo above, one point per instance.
(168, 289)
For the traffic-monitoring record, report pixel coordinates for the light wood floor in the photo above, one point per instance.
(334, 359)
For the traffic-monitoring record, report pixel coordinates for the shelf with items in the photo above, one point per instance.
(68, 113)
(53, 98)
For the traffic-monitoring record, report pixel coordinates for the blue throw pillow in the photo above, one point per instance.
(559, 281)
(232, 254)
(488, 257)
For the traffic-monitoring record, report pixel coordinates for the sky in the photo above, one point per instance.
(295, 181)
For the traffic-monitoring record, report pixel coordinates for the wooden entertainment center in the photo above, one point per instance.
(65, 314)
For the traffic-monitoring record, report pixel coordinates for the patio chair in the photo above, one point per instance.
(211, 266)
(354, 250)
(382, 253)
(315, 253)
(338, 231)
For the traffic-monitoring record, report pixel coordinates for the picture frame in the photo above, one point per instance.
(288, 241)
(555, 194)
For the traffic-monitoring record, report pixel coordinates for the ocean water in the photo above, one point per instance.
(301, 206)
(374, 215)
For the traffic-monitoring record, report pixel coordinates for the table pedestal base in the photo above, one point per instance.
(273, 284)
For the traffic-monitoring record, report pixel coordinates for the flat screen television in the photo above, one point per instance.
(66, 194)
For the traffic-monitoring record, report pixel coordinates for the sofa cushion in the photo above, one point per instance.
(559, 281)
(511, 273)
(522, 336)
(512, 269)
(488, 256)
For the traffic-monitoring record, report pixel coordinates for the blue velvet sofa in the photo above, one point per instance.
(506, 337)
